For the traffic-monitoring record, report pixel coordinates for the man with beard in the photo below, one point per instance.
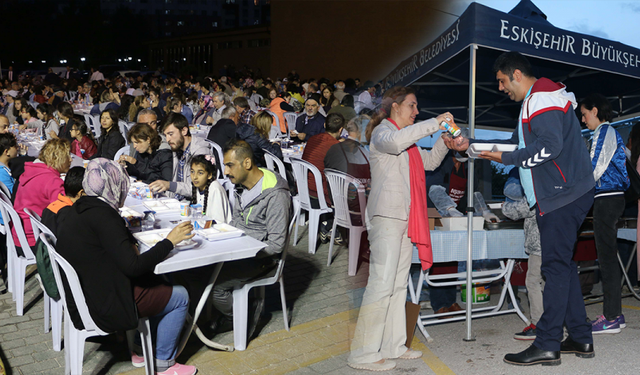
(184, 147)
(311, 122)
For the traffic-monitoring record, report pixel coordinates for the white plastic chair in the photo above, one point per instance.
(4, 229)
(301, 169)
(52, 308)
(91, 122)
(74, 338)
(291, 118)
(273, 161)
(17, 263)
(275, 131)
(339, 184)
(124, 130)
(241, 295)
(217, 149)
(97, 125)
(120, 152)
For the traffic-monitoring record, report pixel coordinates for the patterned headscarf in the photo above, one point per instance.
(107, 180)
(207, 104)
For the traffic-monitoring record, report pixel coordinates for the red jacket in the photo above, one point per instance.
(315, 152)
(39, 186)
(85, 144)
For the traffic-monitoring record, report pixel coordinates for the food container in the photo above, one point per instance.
(459, 223)
(219, 232)
(480, 293)
(476, 149)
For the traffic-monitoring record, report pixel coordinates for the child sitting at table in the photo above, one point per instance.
(516, 207)
(83, 144)
(55, 212)
(207, 191)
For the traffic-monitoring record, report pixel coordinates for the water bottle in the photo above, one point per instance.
(148, 221)
(196, 216)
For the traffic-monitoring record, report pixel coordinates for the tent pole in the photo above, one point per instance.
(470, 187)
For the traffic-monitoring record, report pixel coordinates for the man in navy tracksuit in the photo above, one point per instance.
(556, 174)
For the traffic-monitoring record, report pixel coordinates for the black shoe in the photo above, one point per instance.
(255, 313)
(339, 240)
(324, 237)
(222, 324)
(580, 350)
(533, 356)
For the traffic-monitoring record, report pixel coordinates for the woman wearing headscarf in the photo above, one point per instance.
(396, 216)
(206, 103)
(117, 281)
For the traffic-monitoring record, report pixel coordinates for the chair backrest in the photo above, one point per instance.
(5, 189)
(9, 214)
(339, 184)
(291, 118)
(283, 256)
(58, 263)
(271, 159)
(97, 128)
(275, 128)
(36, 224)
(230, 188)
(120, 152)
(124, 130)
(301, 170)
(218, 150)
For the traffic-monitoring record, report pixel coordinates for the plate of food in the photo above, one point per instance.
(150, 238)
(219, 232)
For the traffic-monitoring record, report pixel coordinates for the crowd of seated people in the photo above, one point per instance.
(160, 116)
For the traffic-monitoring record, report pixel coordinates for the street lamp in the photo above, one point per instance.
(82, 59)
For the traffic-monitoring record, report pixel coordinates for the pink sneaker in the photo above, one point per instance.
(179, 369)
(136, 360)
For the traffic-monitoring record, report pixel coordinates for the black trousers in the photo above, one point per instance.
(562, 298)
(606, 212)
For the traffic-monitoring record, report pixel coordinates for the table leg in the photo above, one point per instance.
(625, 276)
(504, 273)
(194, 320)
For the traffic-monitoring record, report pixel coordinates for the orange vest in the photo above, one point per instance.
(275, 108)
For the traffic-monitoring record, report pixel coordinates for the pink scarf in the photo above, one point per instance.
(418, 215)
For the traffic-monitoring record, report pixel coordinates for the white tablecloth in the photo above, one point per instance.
(628, 234)
(206, 252)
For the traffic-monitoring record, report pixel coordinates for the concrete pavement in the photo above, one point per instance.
(323, 303)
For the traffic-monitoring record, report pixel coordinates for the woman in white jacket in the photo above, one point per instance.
(397, 216)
